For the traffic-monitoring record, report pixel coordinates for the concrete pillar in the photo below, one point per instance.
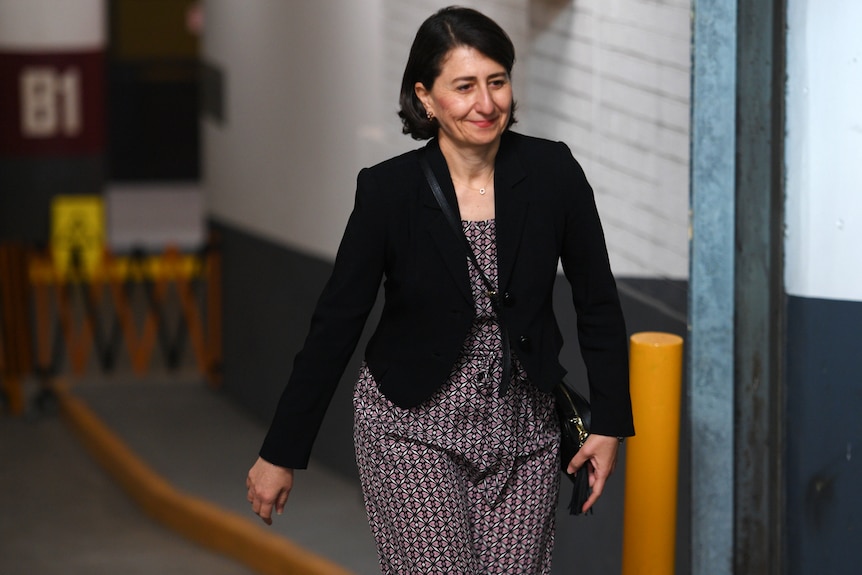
(711, 285)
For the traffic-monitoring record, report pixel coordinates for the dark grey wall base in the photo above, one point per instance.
(269, 294)
(824, 435)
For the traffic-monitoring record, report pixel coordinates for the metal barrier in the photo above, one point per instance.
(74, 314)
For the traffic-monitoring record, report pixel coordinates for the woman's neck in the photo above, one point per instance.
(472, 172)
(467, 164)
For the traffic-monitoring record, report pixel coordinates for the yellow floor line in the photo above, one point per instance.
(197, 519)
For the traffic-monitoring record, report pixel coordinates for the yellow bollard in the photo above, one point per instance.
(652, 456)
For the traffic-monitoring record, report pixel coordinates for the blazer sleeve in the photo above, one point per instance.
(336, 325)
(601, 327)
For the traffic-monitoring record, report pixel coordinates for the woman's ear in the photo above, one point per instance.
(423, 95)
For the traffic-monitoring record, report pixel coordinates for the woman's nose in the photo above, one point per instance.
(484, 101)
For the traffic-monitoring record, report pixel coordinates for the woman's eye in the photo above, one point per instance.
(463, 87)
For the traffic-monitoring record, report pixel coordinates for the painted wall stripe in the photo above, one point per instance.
(824, 150)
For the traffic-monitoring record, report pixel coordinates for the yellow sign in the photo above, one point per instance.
(77, 234)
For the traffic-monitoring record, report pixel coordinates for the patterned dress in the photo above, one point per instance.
(467, 482)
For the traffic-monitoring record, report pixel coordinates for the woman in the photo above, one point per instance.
(460, 469)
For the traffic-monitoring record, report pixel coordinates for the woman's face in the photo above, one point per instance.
(471, 99)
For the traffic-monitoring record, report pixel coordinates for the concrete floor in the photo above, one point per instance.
(60, 513)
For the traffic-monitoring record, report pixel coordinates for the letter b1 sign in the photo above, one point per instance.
(53, 104)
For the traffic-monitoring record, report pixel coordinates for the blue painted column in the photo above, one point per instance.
(711, 287)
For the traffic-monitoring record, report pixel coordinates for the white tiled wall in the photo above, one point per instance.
(611, 79)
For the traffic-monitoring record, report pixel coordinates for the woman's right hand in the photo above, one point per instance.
(268, 486)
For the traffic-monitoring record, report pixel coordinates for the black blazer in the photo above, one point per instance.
(545, 214)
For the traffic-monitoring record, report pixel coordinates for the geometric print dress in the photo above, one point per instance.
(467, 482)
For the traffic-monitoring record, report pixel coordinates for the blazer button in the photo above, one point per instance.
(525, 342)
(508, 299)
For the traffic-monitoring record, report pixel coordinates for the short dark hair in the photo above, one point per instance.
(444, 31)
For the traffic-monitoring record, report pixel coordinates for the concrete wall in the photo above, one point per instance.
(300, 84)
(611, 78)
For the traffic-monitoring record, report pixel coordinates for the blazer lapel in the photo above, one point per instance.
(511, 205)
(451, 247)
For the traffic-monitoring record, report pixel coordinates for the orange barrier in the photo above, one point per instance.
(652, 456)
(91, 311)
(15, 348)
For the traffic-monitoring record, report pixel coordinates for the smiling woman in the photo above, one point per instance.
(471, 100)
(435, 41)
(455, 431)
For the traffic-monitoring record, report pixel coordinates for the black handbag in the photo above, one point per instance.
(574, 412)
(572, 408)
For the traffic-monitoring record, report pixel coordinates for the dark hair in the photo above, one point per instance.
(447, 29)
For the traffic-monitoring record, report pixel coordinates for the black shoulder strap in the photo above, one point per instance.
(449, 213)
(441, 199)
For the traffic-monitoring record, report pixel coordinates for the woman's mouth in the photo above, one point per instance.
(484, 123)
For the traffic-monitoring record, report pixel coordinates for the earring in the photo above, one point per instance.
(429, 114)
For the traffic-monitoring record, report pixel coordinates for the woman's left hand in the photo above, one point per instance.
(599, 457)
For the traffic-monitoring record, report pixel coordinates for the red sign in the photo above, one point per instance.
(52, 103)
